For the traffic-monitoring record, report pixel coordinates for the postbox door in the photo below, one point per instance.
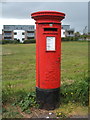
(50, 61)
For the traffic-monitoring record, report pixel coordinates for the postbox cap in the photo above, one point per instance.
(50, 15)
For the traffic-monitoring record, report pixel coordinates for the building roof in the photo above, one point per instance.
(18, 27)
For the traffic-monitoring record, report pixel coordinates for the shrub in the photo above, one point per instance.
(75, 92)
(70, 38)
(29, 41)
(19, 98)
(28, 101)
(7, 93)
(9, 41)
(22, 98)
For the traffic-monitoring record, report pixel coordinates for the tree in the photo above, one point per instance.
(77, 34)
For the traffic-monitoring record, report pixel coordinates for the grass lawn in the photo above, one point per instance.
(18, 70)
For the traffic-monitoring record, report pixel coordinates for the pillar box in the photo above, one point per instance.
(48, 57)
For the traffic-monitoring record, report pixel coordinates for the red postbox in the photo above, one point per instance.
(48, 57)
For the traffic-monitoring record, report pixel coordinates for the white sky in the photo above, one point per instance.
(15, 22)
(19, 14)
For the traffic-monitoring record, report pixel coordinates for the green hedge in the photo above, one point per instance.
(17, 41)
(29, 41)
(9, 41)
(70, 38)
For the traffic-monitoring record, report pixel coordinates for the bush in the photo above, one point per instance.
(21, 98)
(9, 41)
(7, 93)
(76, 92)
(29, 41)
(28, 101)
(70, 38)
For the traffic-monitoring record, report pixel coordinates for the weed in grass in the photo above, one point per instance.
(9, 95)
(71, 109)
(10, 111)
(75, 92)
(61, 115)
(4, 109)
(27, 102)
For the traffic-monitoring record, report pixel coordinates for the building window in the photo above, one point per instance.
(22, 39)
(28, 38)
(69, 33)
(30, 32)
(32, 27)
(6, 27)
(15, 38)
(64, 33)
(23, 33)
(7, 33)
(7, 38)
(15, 33)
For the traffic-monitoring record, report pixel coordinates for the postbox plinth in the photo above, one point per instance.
(48, 57)
(49, 98)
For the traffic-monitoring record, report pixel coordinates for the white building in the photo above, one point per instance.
(62, 33)
(21, 32)
(19, 35)
(66, 31)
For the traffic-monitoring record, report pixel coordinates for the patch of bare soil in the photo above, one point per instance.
(38, 113)
(41, 113)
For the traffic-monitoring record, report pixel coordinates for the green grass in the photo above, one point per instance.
(18, 67)
(74, 60)
(11, 112)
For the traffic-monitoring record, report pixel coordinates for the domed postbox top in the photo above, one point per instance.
(45, 16)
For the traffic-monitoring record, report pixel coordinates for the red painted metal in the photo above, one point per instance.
(48, 62)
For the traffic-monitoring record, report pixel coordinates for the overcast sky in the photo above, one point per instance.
(20, 13)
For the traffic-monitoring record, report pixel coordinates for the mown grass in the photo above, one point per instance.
(19, 68)
(74, 60)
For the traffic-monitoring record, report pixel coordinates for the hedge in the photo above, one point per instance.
(29, 41)
(9, 41)
(70, 38)
(16, 41)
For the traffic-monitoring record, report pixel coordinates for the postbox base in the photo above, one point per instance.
(48, 98)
